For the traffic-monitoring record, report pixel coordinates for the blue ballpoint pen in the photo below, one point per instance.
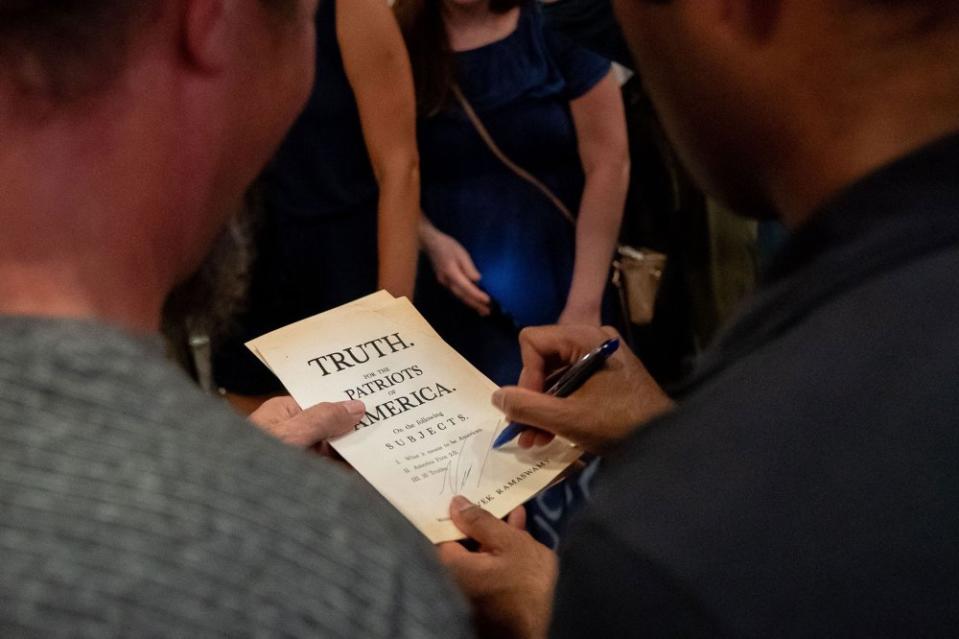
(571, 381)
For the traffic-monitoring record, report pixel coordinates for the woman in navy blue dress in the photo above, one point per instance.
(503, 256)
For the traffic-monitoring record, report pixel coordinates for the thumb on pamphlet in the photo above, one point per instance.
(480, 525)
(331, 420)
(510, 580)
(282, 418)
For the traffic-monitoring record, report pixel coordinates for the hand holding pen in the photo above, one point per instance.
(621, 396)
(568, 383)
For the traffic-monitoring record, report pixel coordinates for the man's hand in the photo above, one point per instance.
(610, 406)
(282, 418)
(510, 580)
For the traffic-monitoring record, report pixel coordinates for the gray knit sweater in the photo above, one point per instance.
(132, 505)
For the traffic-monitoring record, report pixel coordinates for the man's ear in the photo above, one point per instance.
(206, 33)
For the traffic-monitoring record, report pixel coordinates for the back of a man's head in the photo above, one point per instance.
(777, 105)
(131, 129)
(64, 49)
(67, 48)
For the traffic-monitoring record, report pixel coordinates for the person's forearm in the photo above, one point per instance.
(597, 232)
(399, 215)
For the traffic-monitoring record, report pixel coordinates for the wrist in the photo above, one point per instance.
(585, 298)
(583, 307)
(580, 308)
(427, 233)
(397, 286)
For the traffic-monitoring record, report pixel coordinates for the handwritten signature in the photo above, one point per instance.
(457, 473)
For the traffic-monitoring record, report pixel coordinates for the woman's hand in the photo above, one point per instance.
(454, 268)
(282, 418)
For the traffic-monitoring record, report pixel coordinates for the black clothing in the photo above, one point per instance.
(809, 483)
(591, 24)
(303, 267)
(323, 168)
(316, 242)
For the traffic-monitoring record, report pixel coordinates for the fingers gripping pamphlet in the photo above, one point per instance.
(429, 426)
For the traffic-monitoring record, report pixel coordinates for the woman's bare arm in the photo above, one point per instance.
(604, 150)
(378, 69)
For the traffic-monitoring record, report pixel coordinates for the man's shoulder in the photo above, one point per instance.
(874, 365)
(126, 489)
(817, 469)
(67, 382)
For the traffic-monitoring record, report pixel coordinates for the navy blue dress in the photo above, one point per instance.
(317, 245)
(521, 87)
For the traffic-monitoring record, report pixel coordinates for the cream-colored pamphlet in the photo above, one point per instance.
(429, 423)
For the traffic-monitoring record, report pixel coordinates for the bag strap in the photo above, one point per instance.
(545, 190)
(502, 157)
